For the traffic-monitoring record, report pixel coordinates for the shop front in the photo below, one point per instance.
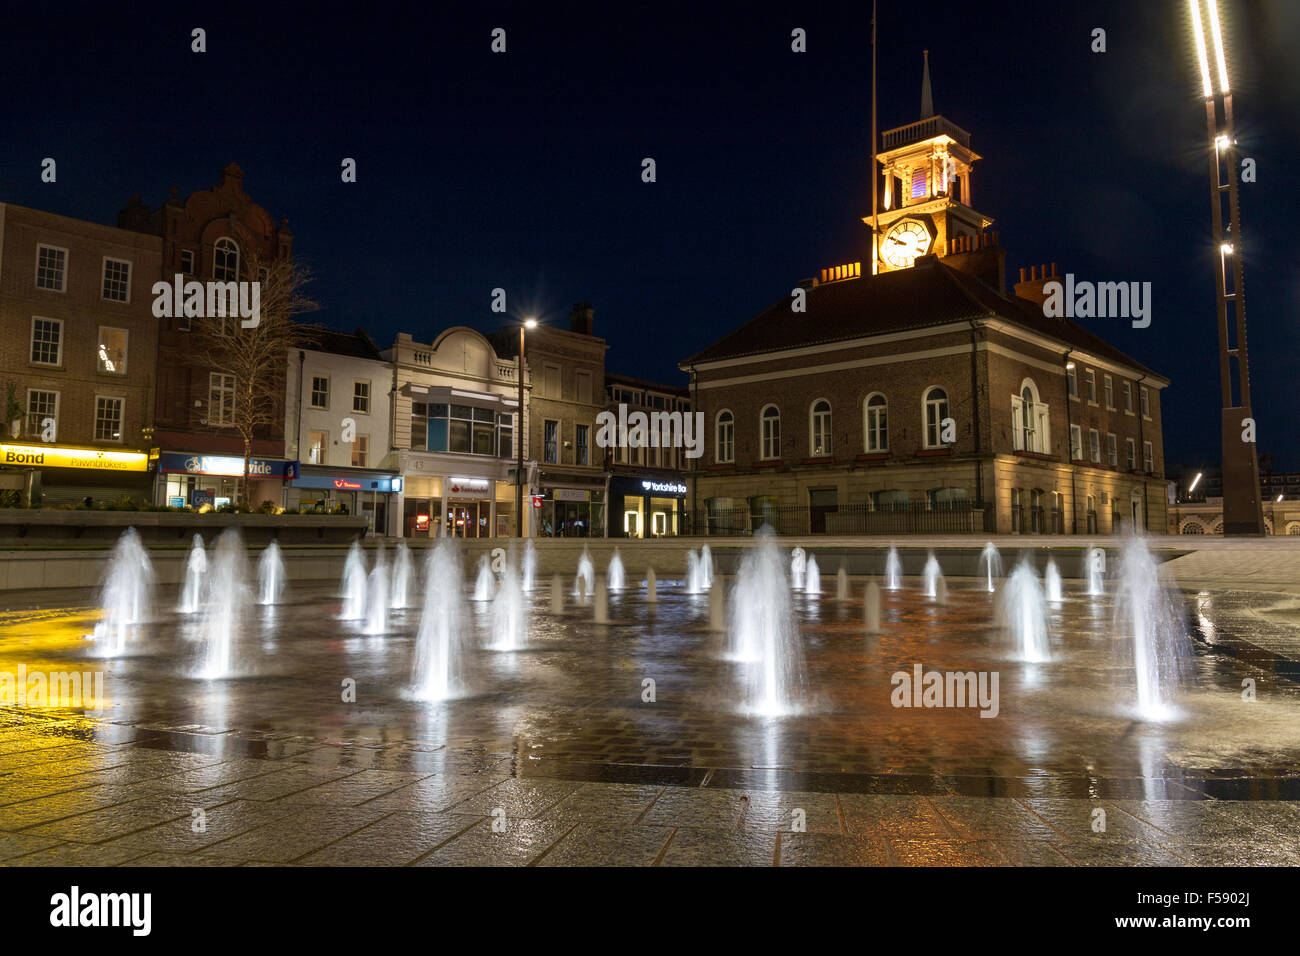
(458, 506)
(646, 507)
(357, 491)
(61, 474)
(571, 513)
(212, 481)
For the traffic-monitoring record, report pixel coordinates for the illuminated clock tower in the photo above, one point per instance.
(924, 206)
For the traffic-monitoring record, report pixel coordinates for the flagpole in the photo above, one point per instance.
(875, 216)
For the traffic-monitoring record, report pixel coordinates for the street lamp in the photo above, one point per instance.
(528, 323)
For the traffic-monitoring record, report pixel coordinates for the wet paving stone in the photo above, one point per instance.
(520, 843)
(825, 849)
(434, 793)
(354, 789)
(992, 818)
(791, 812)
(396, 840)
(1118, 853)
(519, 798)
(905, 817)
(692, 846)
(75, 854)
(600, 844)
(609, 803)
(183, 834)
(20, 844)
(295, 835)
(946, 853)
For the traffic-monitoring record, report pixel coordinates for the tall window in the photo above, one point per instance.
(51, 268)
(225, 260)
(1112, 450)
(551, 441)
(506, 435)
(47, 341)
(108, 418)
(551, 381)
(40, 406)
(821, 429)
(1108, 387)
(770, 433)
(1128, 397)
(1145, 398)
(117, 280)
(221, 399)
(877, 419)
(361, 396)
(1076, 443)
(1032, 420)
(320, 391)
(111, 358)
(419, 426)
(317, 443)
(582, 381)
(1072, 380)
(1090, 383)
(581, 446)
(1094, 446)
(360, 448)
(725, 437)
(936, 410)
(1148, 457)
(1131, 447)
(1027, 421)
(187, 262)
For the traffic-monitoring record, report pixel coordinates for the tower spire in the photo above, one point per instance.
(927, 98)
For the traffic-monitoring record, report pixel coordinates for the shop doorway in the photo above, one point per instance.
(463, 519)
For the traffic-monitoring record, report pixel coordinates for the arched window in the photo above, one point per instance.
(1030, 420)
(1192, 527)
(891, 499)
(770, 433)
(936, 410)
(820, 445)
(225, 260)
(877, 423)
(947, 498)
(725, 437)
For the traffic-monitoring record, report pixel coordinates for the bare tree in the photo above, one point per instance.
(254, 354)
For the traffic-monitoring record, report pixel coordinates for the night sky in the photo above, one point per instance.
(523, 170)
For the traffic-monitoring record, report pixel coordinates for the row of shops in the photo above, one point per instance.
(423, 499)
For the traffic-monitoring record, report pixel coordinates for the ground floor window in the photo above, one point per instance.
(564, 515)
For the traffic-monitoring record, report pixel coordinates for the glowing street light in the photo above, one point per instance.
(1195, 481)
(1199, 32)
(1202, 56)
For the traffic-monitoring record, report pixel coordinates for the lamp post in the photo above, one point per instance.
(519, 434)
(1242, 508)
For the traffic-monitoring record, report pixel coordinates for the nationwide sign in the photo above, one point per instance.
(227, 466)
(96, 459)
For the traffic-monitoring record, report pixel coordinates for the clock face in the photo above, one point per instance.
(904, 243)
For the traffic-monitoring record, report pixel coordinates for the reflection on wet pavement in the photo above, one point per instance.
(554, 757)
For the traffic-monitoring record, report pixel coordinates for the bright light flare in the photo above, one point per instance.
(1195, 481)
(1218, 45)
(1199, 32)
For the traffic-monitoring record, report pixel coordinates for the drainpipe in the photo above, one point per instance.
(975, 416)
(1069, 449)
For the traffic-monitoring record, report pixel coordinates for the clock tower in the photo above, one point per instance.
(924, 207)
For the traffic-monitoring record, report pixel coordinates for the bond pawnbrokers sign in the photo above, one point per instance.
(96, 459)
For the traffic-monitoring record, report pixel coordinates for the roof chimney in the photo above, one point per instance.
(582, 319)
(1031, 286)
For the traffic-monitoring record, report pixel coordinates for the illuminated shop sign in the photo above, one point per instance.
(96, 459)
(663, 487)
(380, 483)
(468, 486)
(226, 466)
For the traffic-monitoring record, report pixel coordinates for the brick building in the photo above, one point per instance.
(567, 370)
(647, 486)
(920, 396)
(208, 236)
(78, 351)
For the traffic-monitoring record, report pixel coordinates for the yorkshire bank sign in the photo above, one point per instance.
(96, 459)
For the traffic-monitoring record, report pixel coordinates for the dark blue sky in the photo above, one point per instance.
(523, 170)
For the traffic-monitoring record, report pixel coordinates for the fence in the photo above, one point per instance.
(913, 518)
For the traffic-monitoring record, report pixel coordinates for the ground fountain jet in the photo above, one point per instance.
(436, 669)
(400, 596)
(126, 597)
(893, 570)
(485, 583)
(270, 575)
(1148, 619)
(584, 583)
(798, 567)
(378, 594)
(762, 631)
(930, 576)
(529, 566)
(1052, 583)
(696, 575)
(354, 584)
(871, 608)
(706, 568)
(615, 575)
(1095, 558)
(842, 584)
(226, 600)
(1023, 612)
(991, 562)
(812, 577)
(196, 569)
(508, 613)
